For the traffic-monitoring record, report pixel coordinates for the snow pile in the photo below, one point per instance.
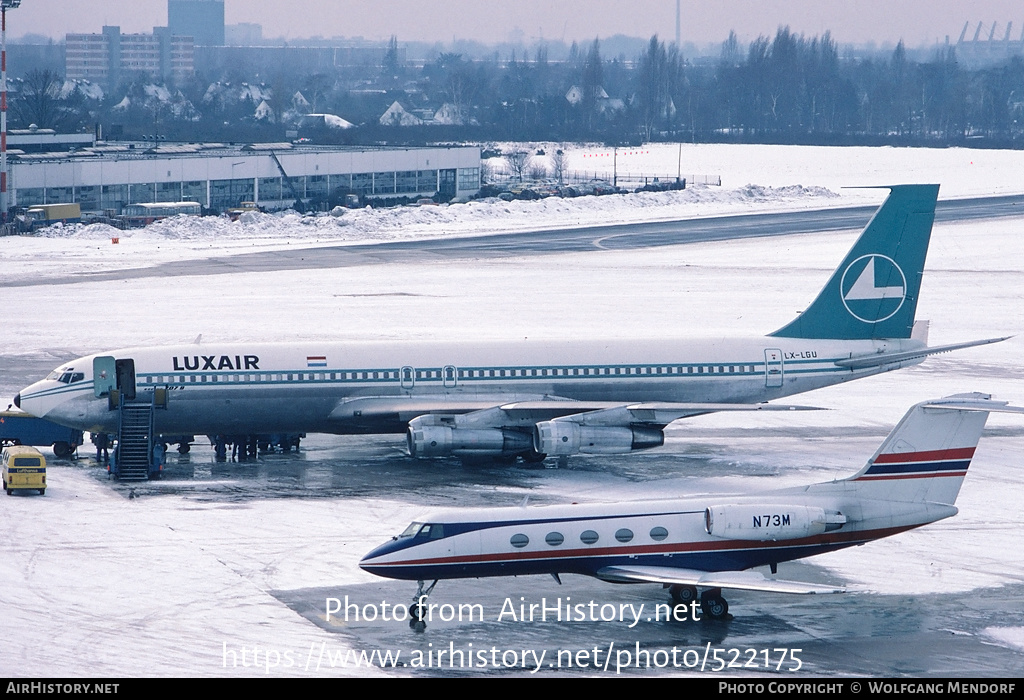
(483, 216)
(1012, 637)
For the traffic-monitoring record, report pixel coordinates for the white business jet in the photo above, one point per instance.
(710, 542)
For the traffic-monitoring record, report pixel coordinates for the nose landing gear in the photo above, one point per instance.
(418, 609)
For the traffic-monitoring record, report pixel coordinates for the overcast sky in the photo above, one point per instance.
(917, 22)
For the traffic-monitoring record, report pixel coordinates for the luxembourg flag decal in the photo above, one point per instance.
(318, 361)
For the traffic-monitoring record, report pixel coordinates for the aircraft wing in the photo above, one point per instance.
(661, 414)
(888, 358)
(482, 411)
(409, 407)
(736, 580)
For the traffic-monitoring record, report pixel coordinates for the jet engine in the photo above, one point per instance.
(769, 522)
(556, 438)
(443, 441)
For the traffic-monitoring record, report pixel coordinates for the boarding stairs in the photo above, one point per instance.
(134, 440)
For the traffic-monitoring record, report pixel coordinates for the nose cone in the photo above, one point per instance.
(368, 562)
(387, 560)
(37, 400)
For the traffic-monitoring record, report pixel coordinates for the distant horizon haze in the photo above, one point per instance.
(860, 22)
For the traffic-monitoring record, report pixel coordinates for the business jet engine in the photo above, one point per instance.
(769, 522)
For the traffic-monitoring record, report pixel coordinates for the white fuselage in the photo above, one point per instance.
(328, 387)
(585, 539)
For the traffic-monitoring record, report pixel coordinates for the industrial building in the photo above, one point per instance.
(106, 177)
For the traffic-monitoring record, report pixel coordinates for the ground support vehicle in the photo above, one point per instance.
(23, 468)
(19, 428)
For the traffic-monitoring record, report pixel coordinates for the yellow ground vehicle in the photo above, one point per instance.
(23, 468)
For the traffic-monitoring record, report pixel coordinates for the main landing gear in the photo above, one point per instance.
(712, 605)
(418, 609)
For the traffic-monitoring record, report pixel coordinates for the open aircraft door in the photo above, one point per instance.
(104, 373)
(126, 378)
(773, 368)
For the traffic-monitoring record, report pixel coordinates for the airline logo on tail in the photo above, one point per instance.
(873, 288)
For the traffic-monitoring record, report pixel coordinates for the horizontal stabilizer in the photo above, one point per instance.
(736, 580)
(884, 358)
(973, 402)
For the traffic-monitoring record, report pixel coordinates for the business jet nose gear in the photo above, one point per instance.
(418, 609)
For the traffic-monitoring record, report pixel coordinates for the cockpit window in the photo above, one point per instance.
(65, 375)
(412, 530)
(424, 531)
(434, 532)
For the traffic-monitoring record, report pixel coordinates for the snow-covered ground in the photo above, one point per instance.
(754, 179)
(172, 579)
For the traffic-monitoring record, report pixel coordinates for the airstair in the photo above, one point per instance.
(135, 459)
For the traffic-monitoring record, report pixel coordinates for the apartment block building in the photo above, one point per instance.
(107, 57)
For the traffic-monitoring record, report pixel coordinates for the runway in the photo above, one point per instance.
(551, 241)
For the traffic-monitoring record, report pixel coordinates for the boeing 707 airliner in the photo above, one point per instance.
(523, 398)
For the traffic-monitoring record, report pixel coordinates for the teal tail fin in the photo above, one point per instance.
(873, 293)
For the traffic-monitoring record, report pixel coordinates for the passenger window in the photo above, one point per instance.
(554, 539)
(624, 535)
(589, 537)
(658, 534)
(519, 541)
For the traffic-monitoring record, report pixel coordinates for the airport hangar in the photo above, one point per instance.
(106, 177)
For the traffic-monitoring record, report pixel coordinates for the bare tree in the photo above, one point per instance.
(517, 162)
(560, 165)
(39, 100)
